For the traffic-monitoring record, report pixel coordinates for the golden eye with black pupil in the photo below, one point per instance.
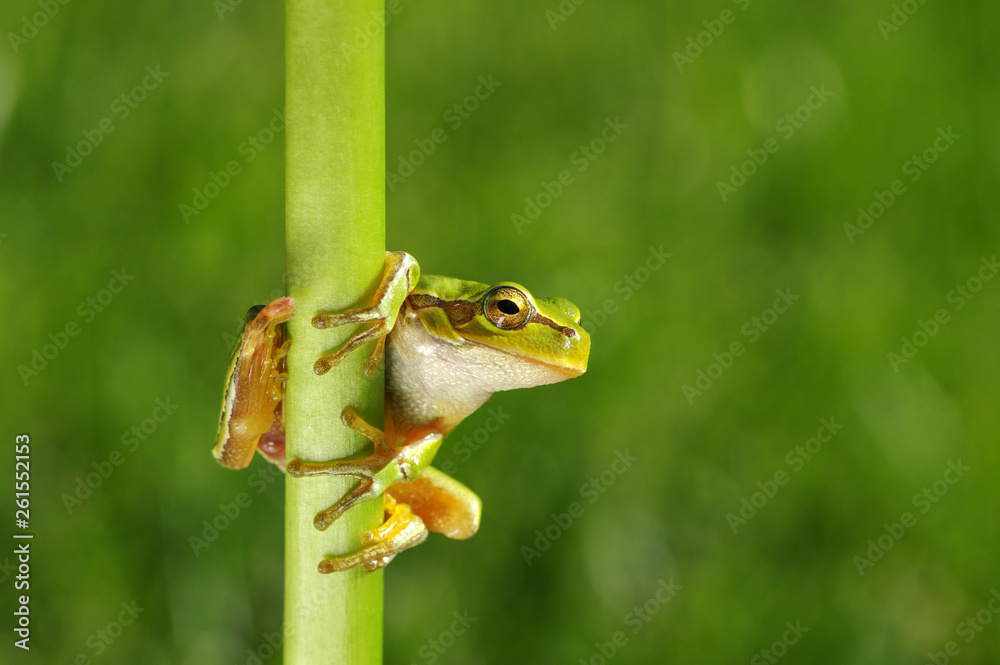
(507, 308)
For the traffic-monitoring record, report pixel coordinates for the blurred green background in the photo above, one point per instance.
(879, 99)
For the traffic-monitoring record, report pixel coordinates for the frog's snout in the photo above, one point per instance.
(571, 310)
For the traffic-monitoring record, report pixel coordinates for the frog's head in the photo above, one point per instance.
(529, 341)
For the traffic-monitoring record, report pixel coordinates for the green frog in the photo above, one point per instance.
(449, 344)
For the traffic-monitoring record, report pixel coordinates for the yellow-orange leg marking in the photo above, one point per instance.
(445, 505)
(401, 530)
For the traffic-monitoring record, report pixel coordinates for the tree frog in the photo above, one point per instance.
(449, 344)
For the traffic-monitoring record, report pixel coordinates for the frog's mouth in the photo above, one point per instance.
(572, 358)
(576, 363)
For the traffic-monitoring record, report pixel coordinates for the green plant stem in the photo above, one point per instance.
(335, 235)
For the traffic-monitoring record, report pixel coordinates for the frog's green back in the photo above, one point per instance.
(450, 288)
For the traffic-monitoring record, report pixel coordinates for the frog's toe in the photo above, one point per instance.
(401, 530)
(364, 491)
(376, 332)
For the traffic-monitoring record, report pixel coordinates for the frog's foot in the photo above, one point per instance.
(387, 465)
(401, 530)
(401, 275)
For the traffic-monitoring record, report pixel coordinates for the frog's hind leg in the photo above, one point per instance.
(445, 505)
(387, 465)
(251, 408)
(434, 501)
(402, 529)
(272, 442)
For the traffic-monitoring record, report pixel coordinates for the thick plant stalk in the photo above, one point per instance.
(335, 234)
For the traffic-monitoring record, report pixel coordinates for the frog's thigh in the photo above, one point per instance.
(444, 504)
(255, 385)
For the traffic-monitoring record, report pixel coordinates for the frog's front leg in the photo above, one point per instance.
(386, 466)
(400, 276)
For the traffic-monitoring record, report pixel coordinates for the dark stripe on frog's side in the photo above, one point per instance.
(546, 321)
(234, 356)
(461, 312)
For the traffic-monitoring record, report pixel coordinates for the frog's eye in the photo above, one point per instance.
(507, 308)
